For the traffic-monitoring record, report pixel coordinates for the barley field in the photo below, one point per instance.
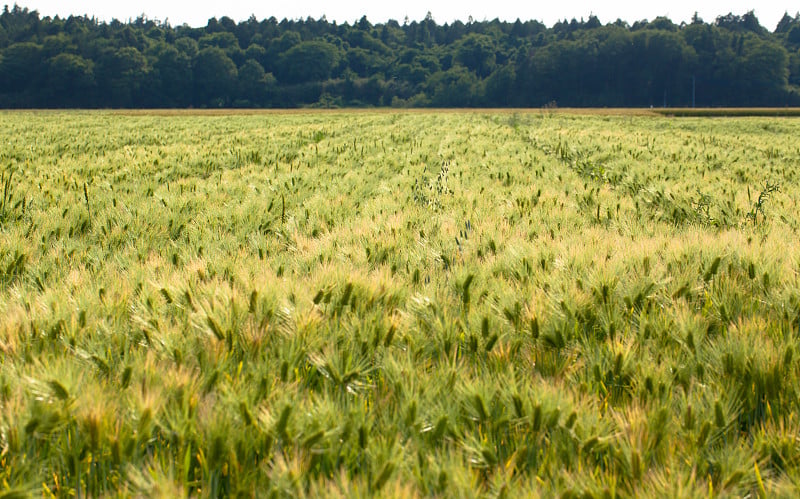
(400, 304)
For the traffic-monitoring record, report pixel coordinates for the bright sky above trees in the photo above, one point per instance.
(197, 12)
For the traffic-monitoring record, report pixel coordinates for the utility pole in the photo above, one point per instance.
(693, 91)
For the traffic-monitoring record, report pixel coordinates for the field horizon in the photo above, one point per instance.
(666, 112)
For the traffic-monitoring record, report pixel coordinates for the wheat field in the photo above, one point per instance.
(403, 304)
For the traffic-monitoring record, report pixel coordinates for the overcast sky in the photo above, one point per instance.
(197, 12)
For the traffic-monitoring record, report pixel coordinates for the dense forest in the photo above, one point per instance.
(82, 62)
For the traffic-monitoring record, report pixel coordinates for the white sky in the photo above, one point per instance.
(197, 12)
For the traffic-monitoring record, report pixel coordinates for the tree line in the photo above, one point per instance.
(81, 62)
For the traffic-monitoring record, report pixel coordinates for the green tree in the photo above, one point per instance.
(308, 61)
(785, 24)
(732, 61)
(227, 41)
(255, 86)
(257, 53)
(20, 67)
(794, 68)
(414, 75)
(278, 47)
(499, 87)
(123, 72)
(668, 68)
(477, 53)
(174, 74)
(70, 80)
(455, 87)
(764, 71)
(54, 45)
(187, 46)
(793, 37)
(215, 78)
(363, 62)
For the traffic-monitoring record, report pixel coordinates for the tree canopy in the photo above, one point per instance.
(82, 62)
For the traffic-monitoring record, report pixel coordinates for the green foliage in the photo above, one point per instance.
(70, 76)
(215, 77)
(19, 66)
(144, 63)
(255, 86)
(308, 61)
(477, 53)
